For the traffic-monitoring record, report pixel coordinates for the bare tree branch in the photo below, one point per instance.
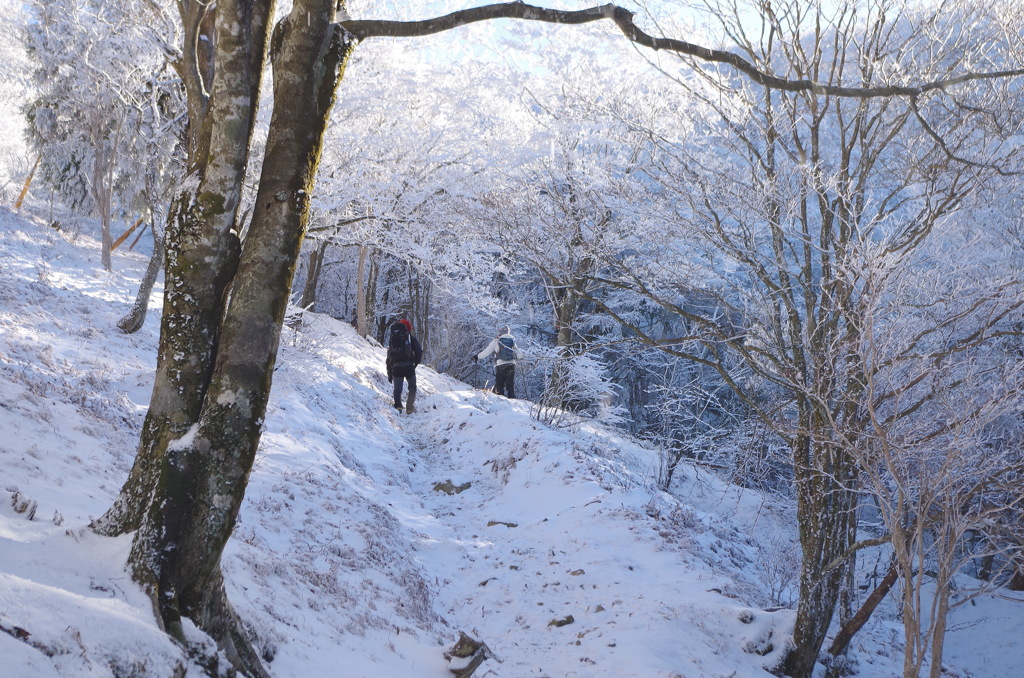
(941, 143)
(853, 548)
(362, 29)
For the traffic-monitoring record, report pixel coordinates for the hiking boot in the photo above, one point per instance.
(410, 409)
(398, 406)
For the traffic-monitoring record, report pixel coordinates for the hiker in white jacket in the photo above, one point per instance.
(504, 348)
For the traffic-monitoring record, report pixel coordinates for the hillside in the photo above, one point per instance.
(368, 540)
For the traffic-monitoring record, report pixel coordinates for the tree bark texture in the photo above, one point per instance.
(217, 359)
(201, 257)
(209, 470)
(174, 481)
(196, 68)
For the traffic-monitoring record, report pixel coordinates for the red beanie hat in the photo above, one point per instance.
(408, 325)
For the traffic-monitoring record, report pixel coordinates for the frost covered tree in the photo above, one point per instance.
(395, 164)
(551, 220)
(226, 297)
(792, 200)
(105, 121)
(940, 454)
(573, 190)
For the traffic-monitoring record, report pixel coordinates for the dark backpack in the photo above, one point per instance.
(400, 345)
(506, 348)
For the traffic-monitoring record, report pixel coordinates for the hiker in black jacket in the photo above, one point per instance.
(404, 354)
(506, 353)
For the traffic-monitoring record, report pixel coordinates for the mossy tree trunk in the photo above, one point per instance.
(204, 474)
(200, 239)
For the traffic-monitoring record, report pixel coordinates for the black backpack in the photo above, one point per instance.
(506, 348)
(400, 345)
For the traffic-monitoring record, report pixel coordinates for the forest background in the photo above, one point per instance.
(815, 295)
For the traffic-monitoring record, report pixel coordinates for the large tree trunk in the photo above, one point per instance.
(201, 254)
(204, 476)
(200, 441)
(183, 492)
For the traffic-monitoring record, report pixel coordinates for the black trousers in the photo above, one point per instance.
(505, 380)
(399, 374)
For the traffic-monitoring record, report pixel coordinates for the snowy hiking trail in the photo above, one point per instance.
(541, 544)
(547, 526)
(345, 560)
(496, 573)
(345, 554)
(542, 591)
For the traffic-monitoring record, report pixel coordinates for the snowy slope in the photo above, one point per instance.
(368, 539)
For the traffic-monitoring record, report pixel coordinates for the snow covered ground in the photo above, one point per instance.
(368, 540)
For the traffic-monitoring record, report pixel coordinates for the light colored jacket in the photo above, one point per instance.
(493, 347)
